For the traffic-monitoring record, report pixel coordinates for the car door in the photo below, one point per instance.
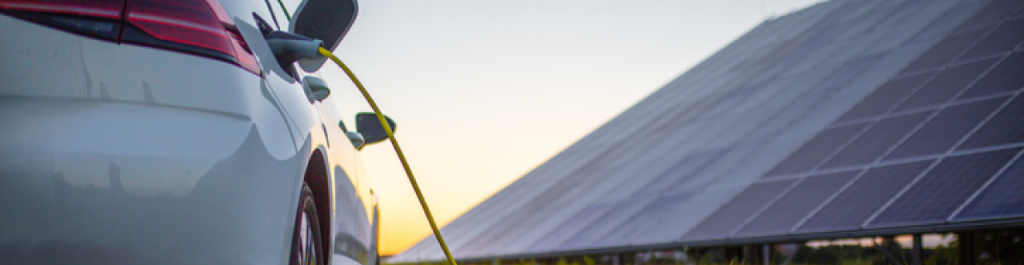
(352, 231)
(351, 226)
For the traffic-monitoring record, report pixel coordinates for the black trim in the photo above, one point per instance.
(105, 29)
(135, 35)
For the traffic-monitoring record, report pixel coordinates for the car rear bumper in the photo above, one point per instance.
(111, 183)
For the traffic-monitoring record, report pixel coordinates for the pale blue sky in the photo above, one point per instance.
(484, 91)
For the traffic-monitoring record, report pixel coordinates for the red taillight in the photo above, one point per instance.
(181, 22)
(196, 23)
(195, 26)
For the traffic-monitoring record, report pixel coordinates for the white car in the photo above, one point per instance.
(170, 132)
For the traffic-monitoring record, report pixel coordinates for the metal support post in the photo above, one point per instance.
(766, 254)
(916, 251)
(966, 248)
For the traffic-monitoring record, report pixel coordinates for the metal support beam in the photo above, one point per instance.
(916, 252)
(766, 254)
(966, 248)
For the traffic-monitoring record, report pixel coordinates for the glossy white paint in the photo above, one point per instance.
(123, 154)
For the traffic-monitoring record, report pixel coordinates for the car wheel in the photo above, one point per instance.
(306, 248)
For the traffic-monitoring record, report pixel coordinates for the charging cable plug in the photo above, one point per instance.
(306, 48)
(289, 48)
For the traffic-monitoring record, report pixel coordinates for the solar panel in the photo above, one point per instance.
(796, 204)
(875, 141)
(734, 213)
(817, 149)
(581, 219)
(944, 188)
(849, 71)
(608, 222)
(993, 13)
(885, 97)
(727, 121)
(863, 197)
(492, 239)
(648, 218)
(1003, 78)
(954, 16)
(1003, 128)
(946, 129)
(681, 172)
(689, 215)
(946, 85)
(946, 50)
(1003, 39)
(1002, 197)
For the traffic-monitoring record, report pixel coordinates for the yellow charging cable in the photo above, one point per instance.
(398, 150)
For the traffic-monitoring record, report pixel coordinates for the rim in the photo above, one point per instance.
(307, 248)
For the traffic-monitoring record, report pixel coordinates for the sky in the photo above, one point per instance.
(484, 91)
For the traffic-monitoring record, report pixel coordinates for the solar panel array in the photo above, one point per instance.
(845, 116)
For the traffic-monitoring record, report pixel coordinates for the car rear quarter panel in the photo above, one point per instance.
(121, 154)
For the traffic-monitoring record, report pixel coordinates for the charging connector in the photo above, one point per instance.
(306, 48)
(289, 48)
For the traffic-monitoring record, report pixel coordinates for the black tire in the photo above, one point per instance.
(306, 243)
